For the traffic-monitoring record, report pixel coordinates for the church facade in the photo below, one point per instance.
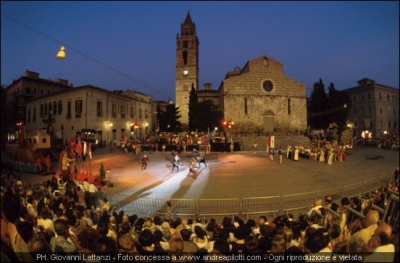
(261, 98)
(258, 97)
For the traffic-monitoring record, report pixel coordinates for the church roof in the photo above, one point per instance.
(188, 19)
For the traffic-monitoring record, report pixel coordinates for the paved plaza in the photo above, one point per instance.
(233, 175)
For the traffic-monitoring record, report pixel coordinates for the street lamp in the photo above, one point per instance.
(145, 127)
(110, 126)
(61, 54)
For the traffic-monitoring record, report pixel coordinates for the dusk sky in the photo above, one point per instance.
(132, 45)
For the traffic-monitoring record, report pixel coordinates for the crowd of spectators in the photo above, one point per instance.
(388, 141)
(74, 217)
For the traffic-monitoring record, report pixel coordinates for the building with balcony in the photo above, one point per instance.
(115, 116)
(374, 110)
(17, 94)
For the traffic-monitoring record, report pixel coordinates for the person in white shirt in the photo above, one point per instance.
(316, 207)
(380, 246)
(370, 224)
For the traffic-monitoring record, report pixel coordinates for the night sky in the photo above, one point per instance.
(132, 45)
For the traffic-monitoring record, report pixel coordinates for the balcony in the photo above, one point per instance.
(47, 119)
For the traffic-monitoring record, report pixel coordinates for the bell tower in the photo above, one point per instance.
(186, 67)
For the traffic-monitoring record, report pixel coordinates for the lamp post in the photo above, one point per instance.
(227, 124)
(109, 140)
(145, 125)
(135, 127)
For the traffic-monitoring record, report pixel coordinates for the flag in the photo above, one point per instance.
(271, 141)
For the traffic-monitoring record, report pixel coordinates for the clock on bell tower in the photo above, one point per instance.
(186, 67)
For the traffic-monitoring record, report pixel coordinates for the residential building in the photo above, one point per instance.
(374, 110)
(110, 115)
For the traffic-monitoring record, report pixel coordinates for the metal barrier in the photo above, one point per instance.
(329, 214)
(229, 206)
(252, 205)
(140, 206)
(335, 193)
(391, 214)
(261, 205)
(353, 189)
(297, 201)
(179, 207)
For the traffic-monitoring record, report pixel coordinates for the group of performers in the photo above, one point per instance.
(322, 151)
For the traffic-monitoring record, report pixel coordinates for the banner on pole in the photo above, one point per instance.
(271, 141)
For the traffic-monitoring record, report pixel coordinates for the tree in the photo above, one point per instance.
(194, 114)
(172, 117)
(204, 115)
(317, 106)
(325, 109)
(341, 102)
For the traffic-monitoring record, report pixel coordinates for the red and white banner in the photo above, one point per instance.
(271, 141)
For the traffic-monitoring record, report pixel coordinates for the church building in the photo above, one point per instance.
(257, 97)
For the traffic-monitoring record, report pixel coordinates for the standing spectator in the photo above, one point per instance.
(280, 155)
(396, 175)
(92, 194)
(65, 166)
(145, 160)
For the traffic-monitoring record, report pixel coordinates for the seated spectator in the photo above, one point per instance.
(370, 224)
(60, 244)
(87, 237)
(106, 245)
(176, 247)
(126, 244)
(200, 237)
(379, 245)
(159, 240)
(317, 242)
(21, 240)
(355, 244)
(251, 243)
(46, 219)
(239, 246)
(188, 246)
(317, 205)
(265, 238)
(38, 245)
(146, 244)
(278, 245)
